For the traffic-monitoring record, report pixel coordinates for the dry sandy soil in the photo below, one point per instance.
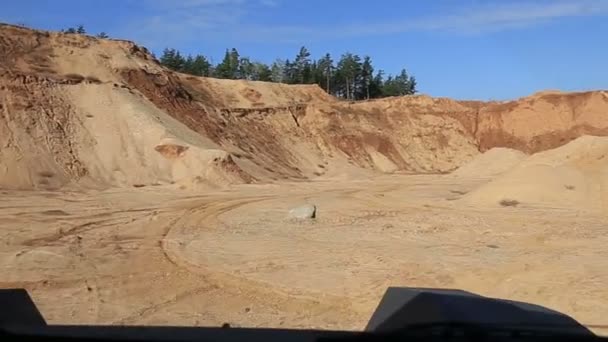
(154, 256)
(136, 195)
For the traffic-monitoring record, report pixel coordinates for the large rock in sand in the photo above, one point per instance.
(304, 212)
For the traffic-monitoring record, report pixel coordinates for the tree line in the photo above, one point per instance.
(350, 77)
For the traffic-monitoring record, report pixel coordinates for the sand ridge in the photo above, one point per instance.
(93, 113)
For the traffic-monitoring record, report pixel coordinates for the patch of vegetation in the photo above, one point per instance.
(75, 30)
(509, 203)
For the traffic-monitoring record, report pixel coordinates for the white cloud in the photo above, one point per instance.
(480, 19)
(166, 22)
(189, 20)
(520, 14)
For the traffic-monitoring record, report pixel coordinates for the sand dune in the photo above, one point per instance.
(490, 163)
(572, 176)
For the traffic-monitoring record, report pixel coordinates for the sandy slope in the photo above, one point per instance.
(110, 109)
(572, 176)
(542, 121)
(82, 111)
(490, 163)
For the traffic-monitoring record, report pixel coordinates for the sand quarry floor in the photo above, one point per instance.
(158, 256)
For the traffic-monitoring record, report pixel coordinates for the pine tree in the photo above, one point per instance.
(246, 69)
(302, 66)
(412, 86)
(277, 71)
(375, 87)
(407, 84)
(367, 74)
(357, 86)
(390, 87)
(349, 68)
(172, 59)
(316, 74)
(399, 85)
(200, 66)
(326, 65)
(234, 64)
(187, 66)
(262, 72)
(224, 69)
(290, 72)
(80, 29)
(102, 35)
(167, 58)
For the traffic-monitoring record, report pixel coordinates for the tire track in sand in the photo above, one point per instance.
(284, 298)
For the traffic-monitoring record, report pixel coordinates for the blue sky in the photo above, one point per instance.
(466, 49)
